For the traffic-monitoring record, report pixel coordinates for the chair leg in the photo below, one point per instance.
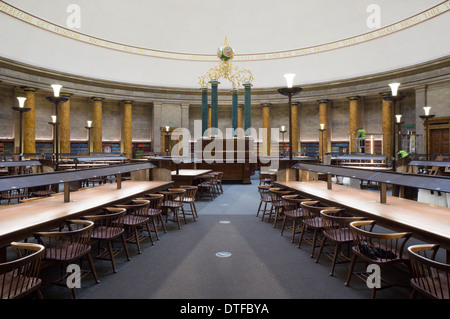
(283, 225)
(301, 236)
(294, 224)
(136, 236)
(111, 255)
(337, 250)
(149, 232)
(161, 218)
(195, 209)
(350, 271)
(314, 243)
(257, 213)
(125, 247)
(155, 228)
(91, 264)
(320, 249)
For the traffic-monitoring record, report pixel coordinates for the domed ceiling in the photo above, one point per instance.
(172, 43)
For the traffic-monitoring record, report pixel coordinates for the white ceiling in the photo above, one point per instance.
(199, 27)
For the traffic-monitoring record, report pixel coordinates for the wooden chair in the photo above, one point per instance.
(219, 181)
(277, 203)
(292, 210)
(155, 211)
(189, 198)
(42, 191)
(376, 248)
(311, 221)
(136, 217)
(336, 229)
(264, 194)
(67, 246)
(206, 186)
(107, 227)
(173, 202)
(20, 277)
(18, 194)
(215, 184)
(429, 277)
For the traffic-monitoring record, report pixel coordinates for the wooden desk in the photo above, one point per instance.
(20, 221)
(187, 176)
(427, 222)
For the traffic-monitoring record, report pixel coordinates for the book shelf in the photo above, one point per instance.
(141, 148)
(78, 147)
(44, 147)
(111, 147)
(310, 149)
(6, 148)
(339, 148)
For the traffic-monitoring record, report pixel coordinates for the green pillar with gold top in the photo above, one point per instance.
(205, 116)
(247, 107)
(234, 110)
(214, 107)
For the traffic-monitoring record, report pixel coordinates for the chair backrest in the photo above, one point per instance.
(336, 224)
(430, 277)
(137, 207)
(21, 276)
(264, 191)
(377, 247)
(175, 194)
(277, 194)
(293, 202)
(311, 213)
(67, 244)
(109, 224)
(191, 191)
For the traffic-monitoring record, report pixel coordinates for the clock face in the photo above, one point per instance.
(225, 53)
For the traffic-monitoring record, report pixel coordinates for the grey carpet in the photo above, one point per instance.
(263, 264)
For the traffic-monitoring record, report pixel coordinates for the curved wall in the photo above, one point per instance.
(267, 29)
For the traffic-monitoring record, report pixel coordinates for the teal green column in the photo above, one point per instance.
(205, 117)
(247, 106)
(214, 107)
(234, 110)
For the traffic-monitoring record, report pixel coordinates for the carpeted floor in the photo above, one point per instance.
(263, 265)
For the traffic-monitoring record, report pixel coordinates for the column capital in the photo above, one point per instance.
(67, 95)
(214, 82)
(323, 101)
(354, 98)
(204, 89)
(185, 105)
(296, 104)
(241, 106)
(234, 91)
(247, 84)
(266, 105)
(127, 102)
(28, 89)
(97, 99)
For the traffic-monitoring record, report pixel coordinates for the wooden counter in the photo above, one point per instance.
(21, 220)
(429, 223)
(187, 176)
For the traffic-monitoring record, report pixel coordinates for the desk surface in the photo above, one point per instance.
(17, 221)
(427, 222)
(191, 172)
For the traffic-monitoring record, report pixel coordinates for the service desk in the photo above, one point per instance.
(188, 176)
(426, 222)
(20, 221)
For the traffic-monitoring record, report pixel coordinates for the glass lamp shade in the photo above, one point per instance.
(394, 88)
(56, 89)
(53, 118)
(21, 101)
(399, 118)
(167, 128)
(322, 126)
(283, 128)
(89, 123)
(427, 110)
(289, 79)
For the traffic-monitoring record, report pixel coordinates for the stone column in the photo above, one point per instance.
(294, 126)
(234, 110)
(214, 107)
(247, 106)
(29, 125)
(157, 113)
(323, 119)
(205, 111)
(386, 119)
(185, 115)
(240, 119)
(266, 129)
(97, 140)
(353, 122)
(64, 126)
(127, 129)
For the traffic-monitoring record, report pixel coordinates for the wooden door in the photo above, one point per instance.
(439, 141)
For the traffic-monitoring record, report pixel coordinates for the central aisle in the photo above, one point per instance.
(263, 264)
